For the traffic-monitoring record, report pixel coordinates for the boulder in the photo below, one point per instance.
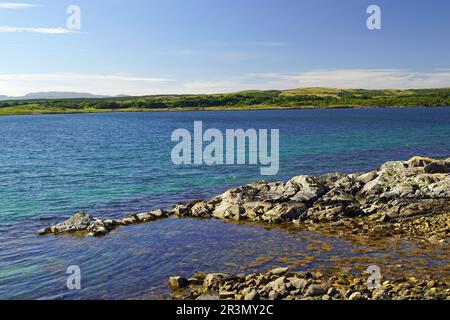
(177, 283)
(213, 279)
(316, 290)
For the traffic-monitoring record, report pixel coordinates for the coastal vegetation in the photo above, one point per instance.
(273, 99)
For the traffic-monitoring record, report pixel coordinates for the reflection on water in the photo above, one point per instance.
(136, 261)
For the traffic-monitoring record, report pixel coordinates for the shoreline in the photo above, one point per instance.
(211, 109)
(281, 284)
(400, 199)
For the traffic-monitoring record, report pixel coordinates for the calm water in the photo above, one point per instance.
(114, 164)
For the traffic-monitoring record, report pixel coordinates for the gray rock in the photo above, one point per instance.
(332, 292)
(278, 285)
(316, 290)
(253, 295)
(79, 222)
(213, 279)
(177, 283)
(274, 295)
(145, 217)
(397, 192)
(214, 296)
(356, 296)
(438, 167)
(278, 271)
(227, 295)
(298, 283)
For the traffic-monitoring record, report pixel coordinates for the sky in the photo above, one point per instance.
(140, 47)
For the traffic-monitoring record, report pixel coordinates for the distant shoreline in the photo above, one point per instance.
(293, 99)
(258, 108)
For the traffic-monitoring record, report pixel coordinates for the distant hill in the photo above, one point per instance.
(54, 95)
(58, 102)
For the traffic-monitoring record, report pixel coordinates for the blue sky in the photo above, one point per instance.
(199, 46)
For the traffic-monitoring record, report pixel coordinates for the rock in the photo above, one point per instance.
(227, 295)
(316, 290)
(83, 222)
(202, 209)
(256, 287)
(278, 271)
(332, 292)
(177, 283)
(356, 296)
(253, 295)
(132, 219)
(45, 231)
(145, 217)
(284, 212)
(386, 202)
(379, 294)
(278, 285)
(273, 295)
(195, 281)
(99, 231)
(298, 283)
(159, 213)
(438, 167)
(213, 279)
(182, 210)
(209, 296)
(79, 222)
(420, 162)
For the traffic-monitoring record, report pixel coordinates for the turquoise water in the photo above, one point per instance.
(114, 164)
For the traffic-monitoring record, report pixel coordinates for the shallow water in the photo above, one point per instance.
(135, 262)
(114, 164)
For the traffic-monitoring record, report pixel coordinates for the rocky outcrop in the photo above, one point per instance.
(282, 284)
(407, 198)
(84, 223)
(397, 190)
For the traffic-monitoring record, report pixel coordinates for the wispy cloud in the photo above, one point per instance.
(113, 84)
(365, 78)
(36, 30)
(14, 5)
(340, 78)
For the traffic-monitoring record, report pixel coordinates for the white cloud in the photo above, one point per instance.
(37, 30)
(113, 84)
(354, 78)
(368, 78)
(13, 5)
(340, 78)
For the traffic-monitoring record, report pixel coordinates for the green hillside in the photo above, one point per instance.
(287, 99)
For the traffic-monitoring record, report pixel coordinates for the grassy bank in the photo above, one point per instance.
(273, 99)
